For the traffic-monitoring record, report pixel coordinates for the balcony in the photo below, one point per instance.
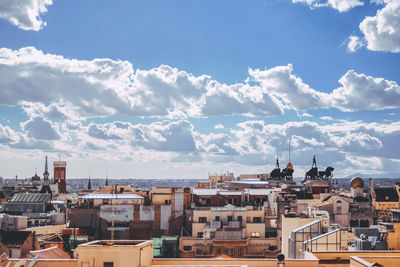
(255, 220)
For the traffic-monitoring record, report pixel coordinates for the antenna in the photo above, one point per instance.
(113, 214)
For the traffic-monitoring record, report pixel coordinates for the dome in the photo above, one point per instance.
(357, 182)
(289, 166)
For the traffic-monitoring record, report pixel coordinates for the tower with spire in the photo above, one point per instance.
(89, 186)
(46, 171)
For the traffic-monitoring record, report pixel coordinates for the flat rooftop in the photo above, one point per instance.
(97, 243)
(110, 196)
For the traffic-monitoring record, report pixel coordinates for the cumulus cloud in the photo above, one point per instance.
(292, 92)
(99, 132)
(382, 31)
(96, 87)
(25, 14)
(340, 5)
(333, 143)
(104, 87)
(251, 143)
(354, 44)
(39, 128)
(7, 135)
(217, 144)
(222, 99)
(362, 92)
(54, 87)
(219, 126)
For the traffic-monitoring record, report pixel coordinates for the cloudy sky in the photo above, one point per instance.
(183, 88)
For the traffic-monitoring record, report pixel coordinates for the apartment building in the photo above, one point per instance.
(234, 231)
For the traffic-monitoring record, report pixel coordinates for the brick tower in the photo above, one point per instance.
(60, 175)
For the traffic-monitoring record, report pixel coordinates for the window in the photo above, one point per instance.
(256, 219)
(199, 251)
(200, 234)
(212, 235)
(187, 248)
(255, 235)
(202, 219)
(339, 209)
(272, 248)
(217, 218)
(240, 219)
(230, 218)
(218, 251)
(108, 264)
(240, 252)
(229, 252)
(167, 202)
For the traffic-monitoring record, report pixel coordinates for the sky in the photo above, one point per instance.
(188, 88)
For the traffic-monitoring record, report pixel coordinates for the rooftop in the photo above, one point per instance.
(51, 253)
(97, 243)
(110, 196)
(30, 198)
(386, 194)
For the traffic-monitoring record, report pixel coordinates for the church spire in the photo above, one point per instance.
(89, 186)
(46, 172)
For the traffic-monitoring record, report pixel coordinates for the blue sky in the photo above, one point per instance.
(164, 89)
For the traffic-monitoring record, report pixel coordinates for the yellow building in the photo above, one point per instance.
(235, 231)
(383, 200)
(289, 224)
(215, 179)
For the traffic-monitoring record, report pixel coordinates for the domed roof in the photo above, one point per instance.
(357, 182)
(289, 166)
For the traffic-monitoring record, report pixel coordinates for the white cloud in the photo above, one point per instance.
(382, 31)
(219, 126)
(358, 90)
(7, 135)
(54, 87)
(332, 143)
(304, 114)
(41, 129)
(252, 143)
(340, 5)
(354, 44)
(25, 14)
(326, 118)
(282, 84)
(104, 87)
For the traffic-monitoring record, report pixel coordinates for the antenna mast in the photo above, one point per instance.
(113, 213)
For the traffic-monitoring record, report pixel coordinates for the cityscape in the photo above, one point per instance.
(248, 133)
(227, 219)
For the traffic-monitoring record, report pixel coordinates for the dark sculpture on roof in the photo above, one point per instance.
(314, 174)
(35, 177)
(285, 174)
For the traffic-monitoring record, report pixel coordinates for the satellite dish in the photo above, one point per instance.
(280, 257)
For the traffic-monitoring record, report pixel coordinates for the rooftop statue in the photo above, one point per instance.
(285, 174)
(314, 174)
